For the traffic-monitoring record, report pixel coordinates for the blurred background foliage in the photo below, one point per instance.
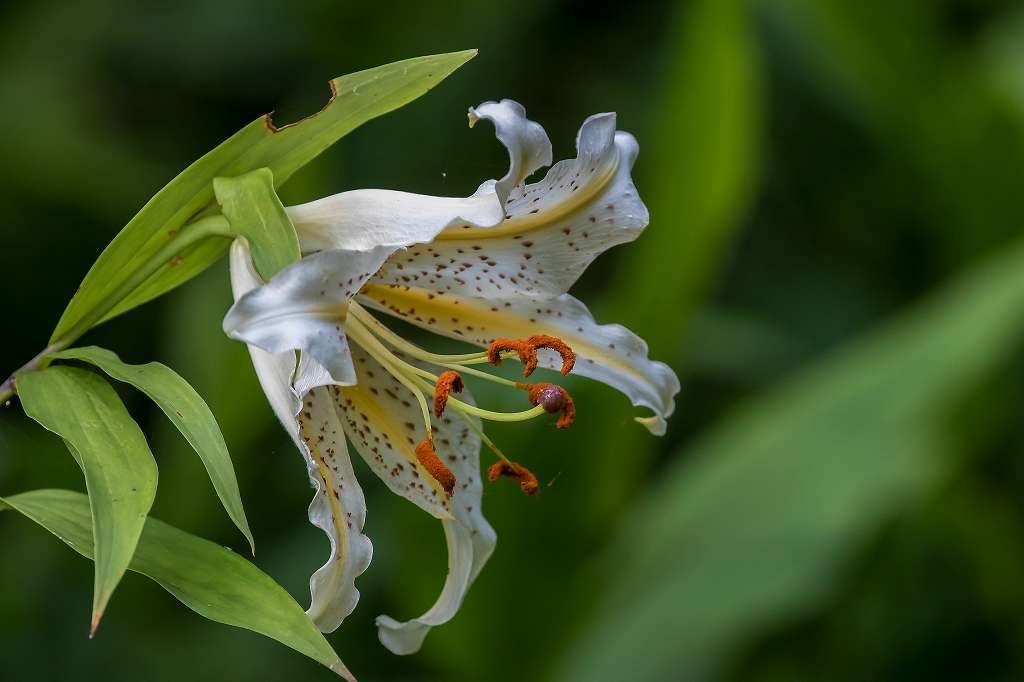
(832, 268)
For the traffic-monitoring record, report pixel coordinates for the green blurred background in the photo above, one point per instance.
(835, 268)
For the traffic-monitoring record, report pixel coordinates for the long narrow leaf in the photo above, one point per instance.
(211, 580)
(187, 411)
(120, 473)
(284, 149)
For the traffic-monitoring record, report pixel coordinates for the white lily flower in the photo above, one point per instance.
(492, 269)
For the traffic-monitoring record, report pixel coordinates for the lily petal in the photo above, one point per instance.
(390, 407)
(528, 145)
(338, 507)
(384, 424)
(311, 374)
(304, 306)
(609, 353)
(553, 229)
(274, 370)
(362, 219)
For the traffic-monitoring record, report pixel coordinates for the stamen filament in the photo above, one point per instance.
(482, 375)
(453, 362)
(401, 344)
(420, 381)
(397, 368)
(483, 437)
(428, 389)
(490, 415)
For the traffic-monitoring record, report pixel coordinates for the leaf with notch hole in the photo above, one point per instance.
(355, 99)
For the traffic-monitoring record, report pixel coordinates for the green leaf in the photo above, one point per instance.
(254, 210)
(755, 522)
(355, 99)
(211, 580)
(187, 411)
(120, 473)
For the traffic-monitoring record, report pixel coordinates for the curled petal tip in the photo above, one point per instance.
(655, 424)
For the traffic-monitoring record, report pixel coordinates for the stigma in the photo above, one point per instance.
(552, 399)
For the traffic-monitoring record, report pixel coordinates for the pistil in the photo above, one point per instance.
(553, 398)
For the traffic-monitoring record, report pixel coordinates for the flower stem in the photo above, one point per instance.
(212, 226)
(8, 389)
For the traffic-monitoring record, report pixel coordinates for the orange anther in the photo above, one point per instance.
(446, 384)
(526, 351)
(556, 344)
(553, 398)
(517, 472)
(432, 463)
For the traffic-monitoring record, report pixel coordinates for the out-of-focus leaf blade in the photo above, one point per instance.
(120, 473)
(699, 172)
(355, 99)
(1003, 58)
(254, 210)
(187, 411)
(698, 175)
(862, 54)
(756, 520)
(876, 76)
(211, 580)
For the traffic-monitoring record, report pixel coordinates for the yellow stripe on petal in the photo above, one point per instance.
(479, 321)
(382, 419)
(338, 508)
(528, 220)
(384, 423)
(608, 353)
(553, 229)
